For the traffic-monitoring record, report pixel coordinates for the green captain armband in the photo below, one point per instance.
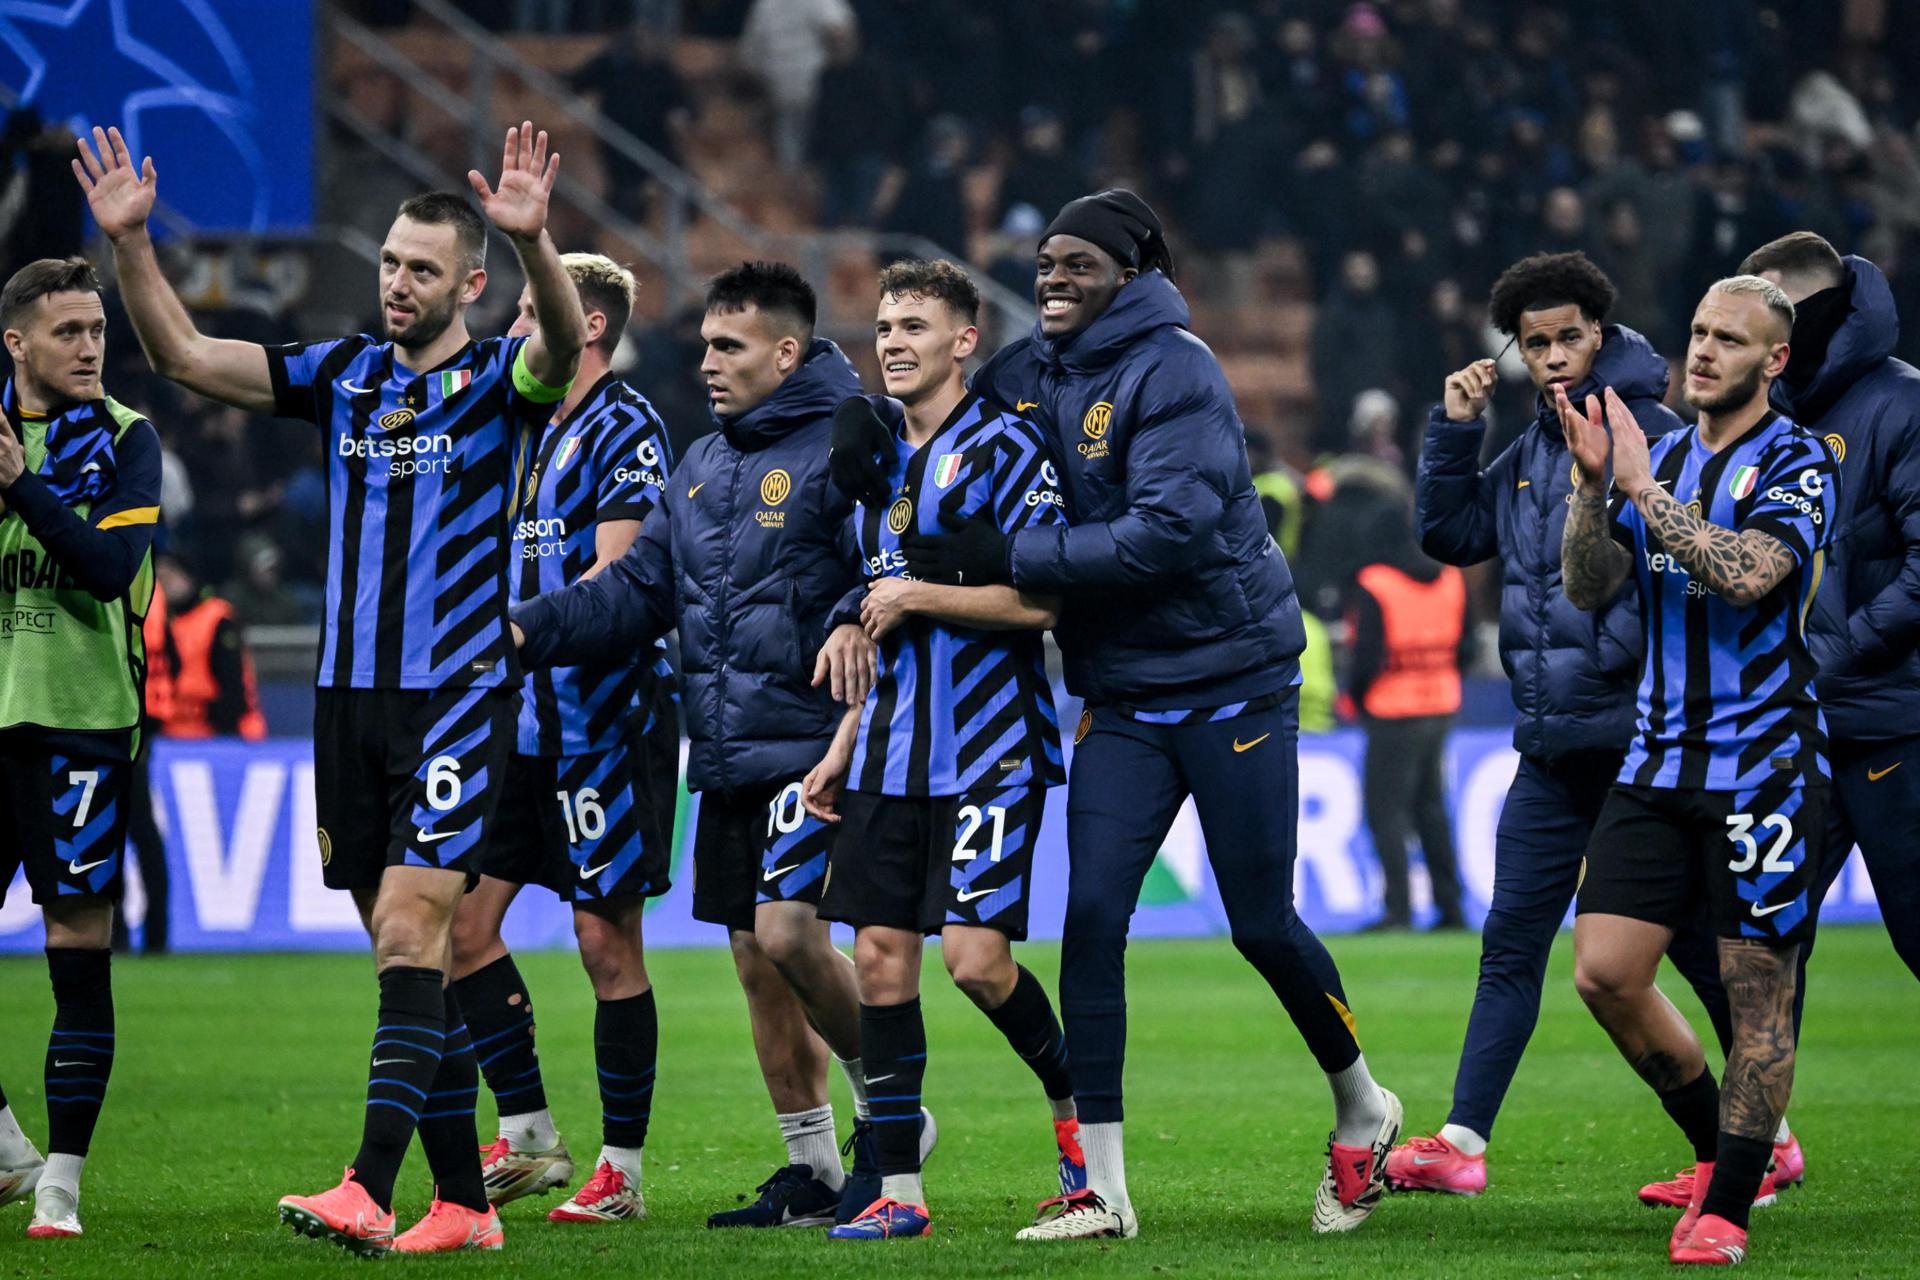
(531, 387)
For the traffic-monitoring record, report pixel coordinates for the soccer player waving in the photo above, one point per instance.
(1181, 631)
(426, 433)
(588, 808)
(947, 761)
(1722, 798)
(79, 501)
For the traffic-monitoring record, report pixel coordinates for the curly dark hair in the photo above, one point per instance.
(1550, 280)
(918, 278)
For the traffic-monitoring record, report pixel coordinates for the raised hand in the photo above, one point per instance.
(1632, 464)
(1468, 391)
(519, 206)
(1586, 439)
(120, 197)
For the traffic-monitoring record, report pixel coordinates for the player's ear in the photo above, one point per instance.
(476, 285)
(596, 326)
(965, 342)
(1777, 359)
(1127, 274)
(16, 344)
(786, 354)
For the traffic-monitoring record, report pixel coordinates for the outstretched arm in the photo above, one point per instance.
(121, 199)
(1593, 567)
(519, 209)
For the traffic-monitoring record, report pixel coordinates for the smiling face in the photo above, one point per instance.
(1735, 352)
(59, 344)
(921, 342)
(1074, 281)
(423, 285)
(749, 354)
(1558, 345)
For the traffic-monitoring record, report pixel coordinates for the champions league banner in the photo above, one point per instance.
(244, 857)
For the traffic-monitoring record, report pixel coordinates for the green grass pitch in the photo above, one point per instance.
(239, 1080)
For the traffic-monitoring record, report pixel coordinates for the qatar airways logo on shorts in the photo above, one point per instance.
(404, 455)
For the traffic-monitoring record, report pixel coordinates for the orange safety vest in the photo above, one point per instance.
(159, 660)
(1423, 622)
(194, 689)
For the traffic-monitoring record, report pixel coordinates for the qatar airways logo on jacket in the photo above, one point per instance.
(404, 455)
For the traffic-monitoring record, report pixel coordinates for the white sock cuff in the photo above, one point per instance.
(625, 1159)
(1466, 1139)
(1105, 1149)
(63, 1171)
(800, 1124)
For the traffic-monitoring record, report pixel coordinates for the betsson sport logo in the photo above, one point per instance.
(546, 536)
(403, 455)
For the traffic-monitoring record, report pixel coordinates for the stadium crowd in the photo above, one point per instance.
(1465, 133)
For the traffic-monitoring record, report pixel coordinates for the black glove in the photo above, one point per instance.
(974, 553)
(861, 446)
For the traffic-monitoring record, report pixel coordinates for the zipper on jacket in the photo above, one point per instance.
(724, 622)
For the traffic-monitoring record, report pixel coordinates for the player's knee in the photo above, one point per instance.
(986, 974)
(404, 934)
(610, 953)
(1603, 984)
(84, 923)
(473, 937)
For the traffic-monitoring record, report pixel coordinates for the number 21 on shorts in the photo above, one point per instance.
(1740, 828)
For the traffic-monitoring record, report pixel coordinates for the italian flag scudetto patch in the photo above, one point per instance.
(452, 380)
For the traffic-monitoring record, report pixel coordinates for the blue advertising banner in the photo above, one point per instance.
(219, 92)
(245, 865)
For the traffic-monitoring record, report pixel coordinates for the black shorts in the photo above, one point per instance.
(925, 862)
(63, 816)
(593, 827)
(1658, 853)
(407, 777)
(758, 844)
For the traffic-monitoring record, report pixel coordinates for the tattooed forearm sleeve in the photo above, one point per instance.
(1760, 979)
(1592, 564)
(1738, 567)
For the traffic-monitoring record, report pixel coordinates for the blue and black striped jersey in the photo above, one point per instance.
(422, 471)
(1726, 693)
(957, 708)
(608, 460)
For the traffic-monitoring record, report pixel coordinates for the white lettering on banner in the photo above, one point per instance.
(1329, 822)
(224, 879)
(1476, 818)
(311, 906)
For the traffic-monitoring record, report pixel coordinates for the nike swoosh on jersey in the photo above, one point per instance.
(968, 895)
(76, 868)
(778, 871)
(426, 837)
(1874, 775)
(1759, 911)
(352, 390)
(1021, 406)
(697, 488)
(1248, 746)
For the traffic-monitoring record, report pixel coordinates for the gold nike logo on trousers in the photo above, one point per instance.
(1874, 775)
(1248, 746)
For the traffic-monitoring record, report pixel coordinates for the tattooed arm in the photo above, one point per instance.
(1740, 568)
(1593, 567)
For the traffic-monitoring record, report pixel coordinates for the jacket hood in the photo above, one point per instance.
(809, 394)
(1865, 339)
(1627, 362)
(1149, 302)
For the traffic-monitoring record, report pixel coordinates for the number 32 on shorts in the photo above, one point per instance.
(1740, 827)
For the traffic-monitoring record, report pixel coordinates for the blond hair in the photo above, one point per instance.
(604, 286)
(1767, 291)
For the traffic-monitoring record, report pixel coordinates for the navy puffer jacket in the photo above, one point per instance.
(1175, 595)
(1865, 623)
(747, 554)
(1573, 672)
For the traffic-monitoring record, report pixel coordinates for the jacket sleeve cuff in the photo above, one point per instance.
(536, 619)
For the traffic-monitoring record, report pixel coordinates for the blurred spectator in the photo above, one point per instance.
(1041, 174)
(1407, 625)
(639, 89)
(853, 144)
(1373, 428)
(787, 44)
(1355, 344)
(927, 196)
(212, 689)
(41, 206)
(260, 595)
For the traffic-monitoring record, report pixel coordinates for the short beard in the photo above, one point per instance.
(425, 330)
(1730, 396)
